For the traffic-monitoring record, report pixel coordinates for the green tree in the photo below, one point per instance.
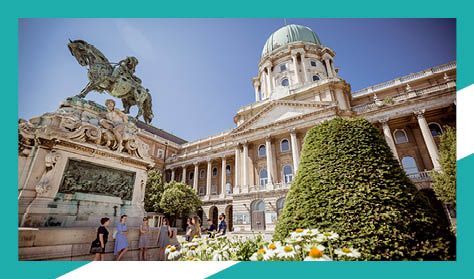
(444, 184)
(349, 182)
(179, 199)
(154, 190)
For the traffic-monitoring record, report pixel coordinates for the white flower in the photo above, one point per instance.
(261, 255)
(348, 252)
(274, 246)
(310, 246)
(173, 253)
(330, 235)
(217, 257)
(313, 232)
(287, 251)
(316, 254)
(298, 233)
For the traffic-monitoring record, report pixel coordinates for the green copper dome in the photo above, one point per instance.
(289, 34)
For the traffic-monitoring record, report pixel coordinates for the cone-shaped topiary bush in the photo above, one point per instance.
(349, 182)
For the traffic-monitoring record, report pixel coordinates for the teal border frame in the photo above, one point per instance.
(461, 10)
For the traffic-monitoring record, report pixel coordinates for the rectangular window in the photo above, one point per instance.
(282, 67)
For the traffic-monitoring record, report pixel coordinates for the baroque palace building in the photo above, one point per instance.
(246, 172)
(70, 173)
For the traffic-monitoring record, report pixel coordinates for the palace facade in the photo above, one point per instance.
(246, 172)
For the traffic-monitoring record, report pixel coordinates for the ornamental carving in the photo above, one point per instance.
(83, 177)
(44, 185)
(83, 121)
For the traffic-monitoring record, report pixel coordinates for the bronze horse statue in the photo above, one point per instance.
(117, 79)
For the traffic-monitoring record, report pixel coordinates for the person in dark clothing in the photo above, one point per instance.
(98, 246)
(222, 226)
(212, 228)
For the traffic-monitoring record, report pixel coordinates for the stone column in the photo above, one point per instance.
(183, 178)
(388, 137)
(196, 177)
(428, 138)
(295, 65)
(328, 68)
(268, 147)
(305, 70)
(236, 166)
(208, 178)
(256, 85)
(172, 174)
(245, 181)
(269, 80)
(295, 151)
(223, 177)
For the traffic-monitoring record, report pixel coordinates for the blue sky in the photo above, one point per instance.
(199, 71)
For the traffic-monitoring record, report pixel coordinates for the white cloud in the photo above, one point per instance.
(136, 40)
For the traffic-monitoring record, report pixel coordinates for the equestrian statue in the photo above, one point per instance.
(117, 79)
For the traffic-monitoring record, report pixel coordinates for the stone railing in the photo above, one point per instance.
(260, 188)
(421, 176)
(403, 97)
(405, 79)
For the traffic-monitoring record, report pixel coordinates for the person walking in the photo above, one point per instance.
(197, 227)
(189, 229)
(98, 245)
(121, 241)
(163, 239)
(144, 239)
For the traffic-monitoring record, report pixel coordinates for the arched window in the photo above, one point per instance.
(279, 205)
(400, 136)
(288, 173)
(409, 165)
(258, 206)
(191, 175)
(285, 82)
(284, 145)
(313, 63)
(227, 169)
(263, 176)
(214, 172)
(315, 78)
(201, 174)
(435, 129)
(262, 151)
(228, 188)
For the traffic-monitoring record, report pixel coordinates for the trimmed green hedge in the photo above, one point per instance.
(349, 182)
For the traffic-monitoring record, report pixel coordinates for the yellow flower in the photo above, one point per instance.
(288, 249)
(272, 246)
(315, 253)
(299, 230)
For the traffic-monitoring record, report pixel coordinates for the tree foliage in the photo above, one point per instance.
(445, 181)
(349, 182)
(154, 190)
(179, 199)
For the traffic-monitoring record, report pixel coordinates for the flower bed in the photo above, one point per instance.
(301, 245)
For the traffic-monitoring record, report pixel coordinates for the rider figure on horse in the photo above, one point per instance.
(126, 68)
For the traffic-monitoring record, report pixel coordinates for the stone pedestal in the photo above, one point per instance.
(73, 171)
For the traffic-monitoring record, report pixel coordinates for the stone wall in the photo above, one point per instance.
(66, 244)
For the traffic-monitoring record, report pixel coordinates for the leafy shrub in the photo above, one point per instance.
(348, 181)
